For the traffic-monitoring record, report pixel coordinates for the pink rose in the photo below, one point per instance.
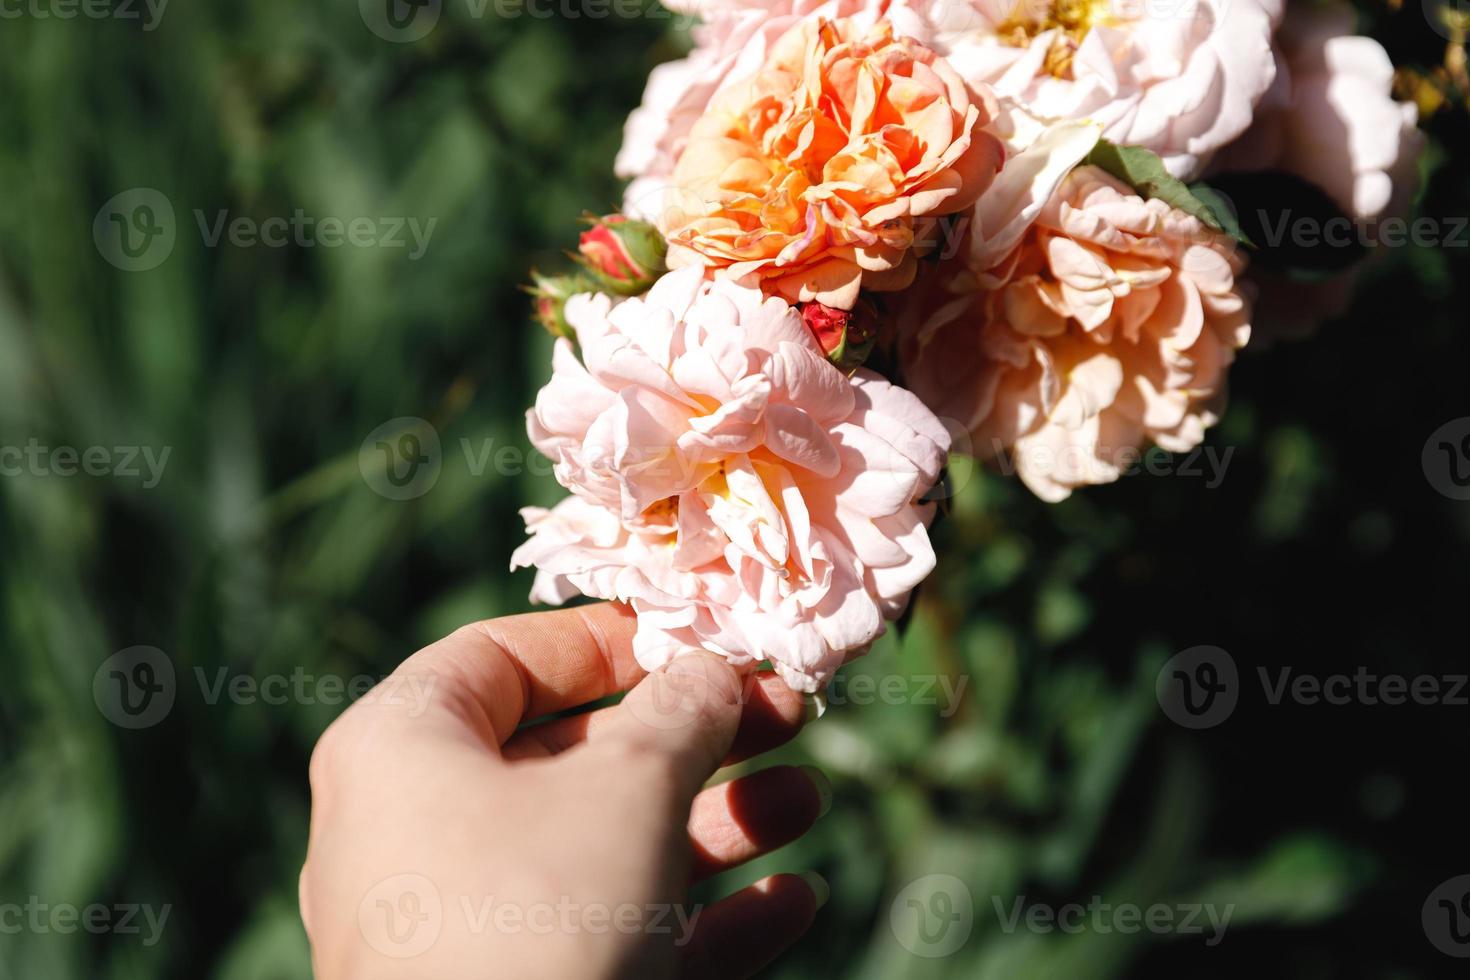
(1088, 323)
(744, 495)
(1181, 78)
(1331, 117)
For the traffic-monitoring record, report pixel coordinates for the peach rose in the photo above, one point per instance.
(732, 43)
(1074, 339)
(744, 495)
(813, 176)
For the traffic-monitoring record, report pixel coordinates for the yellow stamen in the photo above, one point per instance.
(1031, 18)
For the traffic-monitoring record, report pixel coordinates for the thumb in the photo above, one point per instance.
(686, 714)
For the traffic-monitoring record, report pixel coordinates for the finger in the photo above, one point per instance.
(502, 671)
(772, 717)
(736, 936)
(744, 818)
(680, 720)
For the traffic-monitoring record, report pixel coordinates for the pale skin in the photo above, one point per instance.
(449, 840)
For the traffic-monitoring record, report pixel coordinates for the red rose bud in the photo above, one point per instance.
(625, 256)
(827, 324)
(847, 336)
(552, 293)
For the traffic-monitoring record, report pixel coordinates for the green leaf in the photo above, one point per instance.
(1219, 205)
(1301, 880)
(1142, 170)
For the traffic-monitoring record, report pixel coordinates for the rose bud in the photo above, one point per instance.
(552, 293)
(624, 255)
(847, 336)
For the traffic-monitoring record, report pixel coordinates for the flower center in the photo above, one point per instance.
(1074, 18)
(745, 511)
(662, 514)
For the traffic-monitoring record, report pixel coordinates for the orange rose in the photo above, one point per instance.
(824, 172)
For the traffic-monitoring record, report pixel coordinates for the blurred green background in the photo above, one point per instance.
(263, 550)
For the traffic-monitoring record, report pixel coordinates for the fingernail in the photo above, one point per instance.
(821, 891)
(823, 787)
(816, 707)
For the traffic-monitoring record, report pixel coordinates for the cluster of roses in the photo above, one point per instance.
(986, 198)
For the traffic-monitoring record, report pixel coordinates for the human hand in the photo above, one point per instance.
(445, 843)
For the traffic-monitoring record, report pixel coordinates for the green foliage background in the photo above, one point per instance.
(263, 550)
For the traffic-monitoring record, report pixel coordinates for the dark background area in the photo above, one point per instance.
(265, 550)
